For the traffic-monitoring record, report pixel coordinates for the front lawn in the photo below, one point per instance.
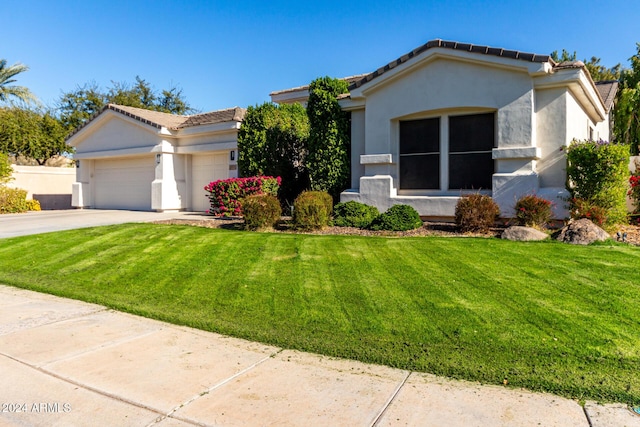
(544, 316)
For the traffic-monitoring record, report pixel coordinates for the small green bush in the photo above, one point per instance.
(33, 205)
(476, 212)
(312, 210)
(598, 172)
(533, 211)
(397, 218)
(12, 200)
(261, 211)
(354, 214)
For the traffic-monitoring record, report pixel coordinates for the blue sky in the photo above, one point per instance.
(224, 54)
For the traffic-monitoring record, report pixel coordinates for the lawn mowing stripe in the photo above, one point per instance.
(547, 316)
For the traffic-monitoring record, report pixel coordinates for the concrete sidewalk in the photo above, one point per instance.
(68, 363)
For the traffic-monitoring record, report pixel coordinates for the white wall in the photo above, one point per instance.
(42, 179)
(450, 86)
(533, 125)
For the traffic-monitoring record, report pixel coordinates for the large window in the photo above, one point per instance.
(420, 154)
(467, 142)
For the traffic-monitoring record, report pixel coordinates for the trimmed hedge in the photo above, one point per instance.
(533, 211)
(354, 214)
(397, 218)
(476, 213)
(312, 210)
(598, 174)
(261, 211)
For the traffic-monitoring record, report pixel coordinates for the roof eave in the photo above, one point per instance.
(383, 76)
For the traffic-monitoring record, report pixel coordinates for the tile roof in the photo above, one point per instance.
(170, 121)
(349, 80)
(607, 90)
(466, 47)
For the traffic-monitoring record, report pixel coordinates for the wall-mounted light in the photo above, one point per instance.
(232, 155)
(158, 158)
(78, 164)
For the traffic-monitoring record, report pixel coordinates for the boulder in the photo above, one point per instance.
(523, 234)
(582, 232)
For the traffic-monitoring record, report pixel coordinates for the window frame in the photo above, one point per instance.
(444, 154)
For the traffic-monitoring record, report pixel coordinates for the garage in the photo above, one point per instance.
(205, 169)
(136, 159)
(124, 183)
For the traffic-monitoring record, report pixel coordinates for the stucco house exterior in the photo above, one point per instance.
(450, 118)
(131, 158)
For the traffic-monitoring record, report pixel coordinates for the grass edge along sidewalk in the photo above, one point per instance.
(543, 316)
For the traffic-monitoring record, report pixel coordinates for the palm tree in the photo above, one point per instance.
(8, 91)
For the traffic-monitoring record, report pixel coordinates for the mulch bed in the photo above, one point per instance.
(440, 229)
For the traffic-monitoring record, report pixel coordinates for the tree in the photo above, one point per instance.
(34, 134)
(564, 57)
(77, 106)
(8, 91)
(5, 169)
(627, 112)
(328, 159)
(601, 73)
(272, 141)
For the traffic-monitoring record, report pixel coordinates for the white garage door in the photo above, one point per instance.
(124, 183)
(206, 168)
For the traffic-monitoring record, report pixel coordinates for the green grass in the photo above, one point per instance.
(545, 316)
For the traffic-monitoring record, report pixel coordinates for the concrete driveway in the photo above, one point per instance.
(12, 225)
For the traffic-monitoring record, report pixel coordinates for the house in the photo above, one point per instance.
(449, 118)
(131, 158)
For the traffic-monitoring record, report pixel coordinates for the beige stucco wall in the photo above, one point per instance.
(453, 87)
(118, 137)
(115, 133)
(537, 115)
(42, 179)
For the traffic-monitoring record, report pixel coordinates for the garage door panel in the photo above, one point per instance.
(206, 168)
(124, 183)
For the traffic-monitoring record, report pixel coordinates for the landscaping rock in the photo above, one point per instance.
(582, 232)
(524, 234)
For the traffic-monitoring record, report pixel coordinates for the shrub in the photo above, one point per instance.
(6, 170)
(585, 209)
(272, 140)
(354, 214)
(312, 210)
(476, 212)
(225, 194)
(397, 218)
(533, 211)
(598, 173)
(33, 205)
(260, 211)
(12, 200)
(328, 160)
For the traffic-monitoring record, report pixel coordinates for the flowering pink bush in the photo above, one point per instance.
(225, 195)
